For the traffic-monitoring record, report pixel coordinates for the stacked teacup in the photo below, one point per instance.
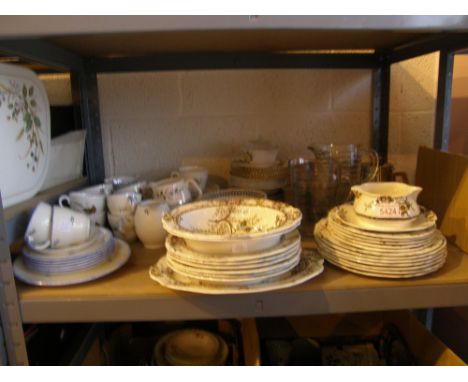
(121, 207)
(90, 200)
(56, 227)
(384, 233)
(61, 241)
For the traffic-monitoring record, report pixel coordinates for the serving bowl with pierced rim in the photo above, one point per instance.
(235, 225)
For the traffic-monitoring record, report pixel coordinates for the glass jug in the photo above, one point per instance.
(352, 168)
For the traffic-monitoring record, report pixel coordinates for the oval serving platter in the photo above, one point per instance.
(24, 134)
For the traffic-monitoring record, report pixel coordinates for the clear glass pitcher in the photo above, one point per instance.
(312, 188)
(355, 165)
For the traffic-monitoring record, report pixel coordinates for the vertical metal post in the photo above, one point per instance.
(85, 94)
(444, 100)
(12, 325)
(380, 108)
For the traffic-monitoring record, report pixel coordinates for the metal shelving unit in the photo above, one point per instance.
(86, 46)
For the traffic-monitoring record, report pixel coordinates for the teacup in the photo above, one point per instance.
(89, 201)
(117, 182)
(260, 153)
(198, 173)
(37, 234)
(99, 189)
(67, 227)
(123, 202)
(263, 156)
(175, 191)
(139, 187)
(123, 226)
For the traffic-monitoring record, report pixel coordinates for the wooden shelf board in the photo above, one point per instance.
(105, 36)
(130, 295)
(46, 195)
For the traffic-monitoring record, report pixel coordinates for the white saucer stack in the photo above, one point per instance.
(51, 258)
(237, 245)
(390, 248)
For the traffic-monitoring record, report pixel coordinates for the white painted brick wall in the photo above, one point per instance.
(153, 122)
(413, 92)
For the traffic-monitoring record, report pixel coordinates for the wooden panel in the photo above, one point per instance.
(130, 294)
(439, 174)
(423, 345)
(250, 341)
(147, 43)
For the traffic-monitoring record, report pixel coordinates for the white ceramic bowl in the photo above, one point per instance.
(237, 225)
(386, 200)
(192, 347)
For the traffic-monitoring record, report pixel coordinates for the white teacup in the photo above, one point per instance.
(123, 226)
(92, 204)
(69, 227)
(175, 191)
(135, 187)
(123, 202)
(263, 156)
(37, 234)
(117, 182)
(198, 173)
(99, 189)
(148, 224)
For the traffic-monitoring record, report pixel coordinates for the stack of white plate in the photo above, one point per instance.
(237, 245)
(400, 248)
(100, 255)
(270, 177)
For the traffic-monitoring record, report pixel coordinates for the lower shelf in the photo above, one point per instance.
(364, 339)
(134, 344)
(347, 339)
(130, 295)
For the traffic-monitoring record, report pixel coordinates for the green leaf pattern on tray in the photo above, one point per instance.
(22, 107)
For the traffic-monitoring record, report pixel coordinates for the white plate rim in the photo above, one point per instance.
(426, 221)
(312, 267)
(170, 220)
(287, 242)
(120, 256)
(383, 275)
(237, 274)
(435, 242)
(102, 239)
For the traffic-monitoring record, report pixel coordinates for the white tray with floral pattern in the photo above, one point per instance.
(24, 134)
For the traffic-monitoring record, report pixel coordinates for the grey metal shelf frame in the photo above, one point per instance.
(88, 45)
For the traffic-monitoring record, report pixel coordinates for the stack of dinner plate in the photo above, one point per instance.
(236, 245)
(390, 248)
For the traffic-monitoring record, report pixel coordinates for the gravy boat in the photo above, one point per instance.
(386, 200)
